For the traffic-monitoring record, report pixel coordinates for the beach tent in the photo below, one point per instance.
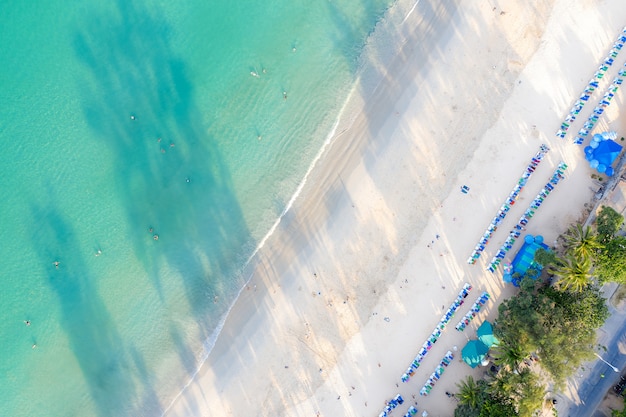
(524, 259)
(474, 352)
(485, 334)
(601, 153)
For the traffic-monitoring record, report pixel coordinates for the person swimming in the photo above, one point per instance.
(27, 322)
(56, 264)
(155, 237)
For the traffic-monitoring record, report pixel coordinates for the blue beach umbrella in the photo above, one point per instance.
(474, 352)
(485, 334)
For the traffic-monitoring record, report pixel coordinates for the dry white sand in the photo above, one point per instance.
(477, 87)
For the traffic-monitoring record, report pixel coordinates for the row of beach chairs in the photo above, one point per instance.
(528, 214)
(478, 304)
(593, 84)
(493, 226)
(432, 339)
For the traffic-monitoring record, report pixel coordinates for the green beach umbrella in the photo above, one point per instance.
(485, 334)
(474, 352)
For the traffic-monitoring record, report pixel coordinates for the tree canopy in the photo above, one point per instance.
(479, 399)
(608, 223)
(611, 261)
(574, 272)
(559, 326)
(581, 241)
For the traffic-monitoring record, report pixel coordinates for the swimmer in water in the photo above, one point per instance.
(259, 137)
(56, 264)
(155, 237)
(27, 322)
(132, 117)
(285, 95)
(98, 252)
(254, 74)
(187, 180)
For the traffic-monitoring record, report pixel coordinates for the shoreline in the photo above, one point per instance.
(317, 282)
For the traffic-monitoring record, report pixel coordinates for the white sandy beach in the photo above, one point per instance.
(477, 88)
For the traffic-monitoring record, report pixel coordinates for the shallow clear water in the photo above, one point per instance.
(122, 120)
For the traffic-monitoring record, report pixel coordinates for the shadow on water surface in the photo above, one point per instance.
(139, 100)
(93, 338)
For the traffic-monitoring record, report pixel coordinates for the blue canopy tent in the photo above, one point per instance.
(601, 153)
(524, 259)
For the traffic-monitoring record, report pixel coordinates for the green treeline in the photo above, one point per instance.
(548, 329)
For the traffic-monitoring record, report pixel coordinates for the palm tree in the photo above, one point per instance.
(574, 273)
(582, 241)
(469, 392)
(508, 355)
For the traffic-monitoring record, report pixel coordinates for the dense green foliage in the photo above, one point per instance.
(508, 354)
(545, 257)
(556, 325)
(559, 326)
(608, 223)
(574, 272)
(479, 399)
(611, 261)
(581, 242)
(523, 388)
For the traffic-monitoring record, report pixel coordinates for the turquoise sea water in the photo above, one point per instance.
(208, 163)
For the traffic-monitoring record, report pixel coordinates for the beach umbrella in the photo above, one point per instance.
(594, 144)
(597, 137)
(474, 352)
(601, 168)
(606, 152)
(609, 171)
(485, 334)
(594, 163)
